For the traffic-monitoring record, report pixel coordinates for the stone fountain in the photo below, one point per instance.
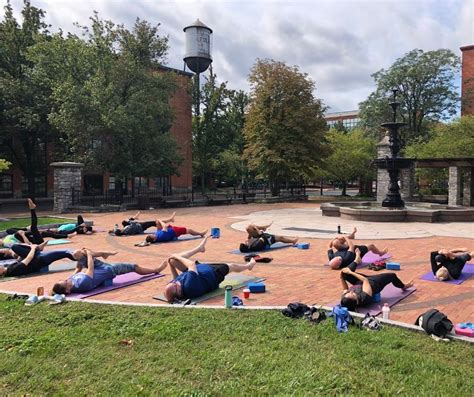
(392, 208)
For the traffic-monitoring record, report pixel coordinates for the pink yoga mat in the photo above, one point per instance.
(390, 294)
(370, 257)
(467, 272)
(120, 281)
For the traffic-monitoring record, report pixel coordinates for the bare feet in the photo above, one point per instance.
(41, 246)
(384, 251)
(408, 285)
(203, 233)
(202, 246)
(294, 241)
(251, 264)
(172, 217)
(105, 255)
(31, 205)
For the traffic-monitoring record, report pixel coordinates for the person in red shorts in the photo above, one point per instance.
(168, 232)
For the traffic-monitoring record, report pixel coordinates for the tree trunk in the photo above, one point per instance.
(274, 188)
(344, 189)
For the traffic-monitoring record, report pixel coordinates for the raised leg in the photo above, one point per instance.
(238, 268)
(375, 250)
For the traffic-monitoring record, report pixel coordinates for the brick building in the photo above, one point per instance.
(95, 182)
(467, 86)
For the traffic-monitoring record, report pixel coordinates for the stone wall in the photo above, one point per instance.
(67, 176)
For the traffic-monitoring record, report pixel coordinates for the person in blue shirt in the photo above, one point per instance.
(192, 279)
(91, 272)
(167, 232)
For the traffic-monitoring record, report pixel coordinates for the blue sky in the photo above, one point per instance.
(338, 43)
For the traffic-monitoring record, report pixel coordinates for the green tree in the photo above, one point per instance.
(350, 156)
(455, 139)
(4, 165)
(24, 101)
(284, 128)
(111, 102)
(426, 90)
(217, 133)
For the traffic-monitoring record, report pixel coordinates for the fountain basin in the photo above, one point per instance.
(413, 212)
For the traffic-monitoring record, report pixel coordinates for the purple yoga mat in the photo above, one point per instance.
(370, 257)
(390, 294)
(120, 281)
(467, 272)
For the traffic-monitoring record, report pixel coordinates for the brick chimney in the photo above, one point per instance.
(467, 86)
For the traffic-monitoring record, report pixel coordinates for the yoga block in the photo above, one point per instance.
(460, 329)
(376, 298)
(44, 269)
(107, 283)
(392, 266)
(215, 232)
(302, 246)
(256, 287)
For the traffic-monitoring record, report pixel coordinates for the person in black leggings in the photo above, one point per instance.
(133, 227)
(448, 264)
(33, 235)
(365, 287)
(32, 259)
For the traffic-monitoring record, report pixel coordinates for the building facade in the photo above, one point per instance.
(467, 85)
(349, 119)
(96, 182)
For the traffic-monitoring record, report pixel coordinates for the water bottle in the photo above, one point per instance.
(385, 311)
(228, 296)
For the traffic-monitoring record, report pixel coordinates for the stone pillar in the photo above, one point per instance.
(407, 182)
(383, 180)
(468, 186)
(454, 186)
(67, 176)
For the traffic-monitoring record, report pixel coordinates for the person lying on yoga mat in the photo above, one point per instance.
(365, 287)
(132, 226)
(31, 259)
(258, 239)
(91, 272)
(167, 232)
(196, 279)
(341, 251)
(448, 264)
(69, 229)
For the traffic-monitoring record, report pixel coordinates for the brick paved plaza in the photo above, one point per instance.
(294, 275)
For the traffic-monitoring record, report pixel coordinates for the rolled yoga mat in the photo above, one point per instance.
(58, 241)
(467, 272)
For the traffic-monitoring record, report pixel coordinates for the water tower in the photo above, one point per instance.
(198, 52)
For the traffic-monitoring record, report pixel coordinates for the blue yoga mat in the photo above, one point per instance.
(275, 246)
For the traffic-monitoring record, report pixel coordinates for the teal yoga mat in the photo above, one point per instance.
(236, 280)
(58, 241)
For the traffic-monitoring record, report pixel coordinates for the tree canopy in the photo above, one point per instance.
(111, 103)
(350, 156)
(24, 101)
(217, 133)
(455, 139)
(284, 128)
(426, 89)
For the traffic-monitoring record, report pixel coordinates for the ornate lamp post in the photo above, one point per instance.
(394, 163)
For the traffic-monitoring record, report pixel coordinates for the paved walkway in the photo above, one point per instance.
(294, 275)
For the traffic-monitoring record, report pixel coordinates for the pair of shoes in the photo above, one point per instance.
(17, 296)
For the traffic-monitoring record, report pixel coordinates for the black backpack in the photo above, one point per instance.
(295, 310)
(434, 322)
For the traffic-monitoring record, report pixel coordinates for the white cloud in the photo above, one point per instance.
(338, 43)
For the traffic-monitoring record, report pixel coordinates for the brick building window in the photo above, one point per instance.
(40, 186)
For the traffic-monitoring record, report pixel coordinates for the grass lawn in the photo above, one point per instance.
(23, 222)
(76, 349)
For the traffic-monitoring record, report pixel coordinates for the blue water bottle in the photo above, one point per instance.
(228, 296)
